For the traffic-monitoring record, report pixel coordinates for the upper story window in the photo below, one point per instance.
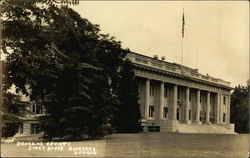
(203, 98)
(166, 92)
(179, 94)
(37, 109)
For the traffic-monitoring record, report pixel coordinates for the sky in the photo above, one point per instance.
(216, 37)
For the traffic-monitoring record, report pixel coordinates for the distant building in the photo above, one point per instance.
(30, 120)
(172, 95)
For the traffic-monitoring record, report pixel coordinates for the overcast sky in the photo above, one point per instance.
(216, 33)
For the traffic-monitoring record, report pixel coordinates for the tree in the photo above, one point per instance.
(240, 109)
(128, 115)
(54, 56)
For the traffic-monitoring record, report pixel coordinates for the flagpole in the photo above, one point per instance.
(183, 23)
(181, 51)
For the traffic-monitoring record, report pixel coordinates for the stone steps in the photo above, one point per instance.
(204, 128)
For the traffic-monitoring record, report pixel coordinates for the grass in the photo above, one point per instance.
(146, 145)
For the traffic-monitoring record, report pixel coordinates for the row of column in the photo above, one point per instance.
(187, 103)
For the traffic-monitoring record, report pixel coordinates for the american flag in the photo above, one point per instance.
(183, 23)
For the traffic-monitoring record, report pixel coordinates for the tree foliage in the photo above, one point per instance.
(62, 62)
(240, 109)
(128, 115)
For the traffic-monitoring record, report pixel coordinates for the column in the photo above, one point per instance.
(161, 100)
(147, 97)
(217, 114)
(208, 108)
(187, 105)
(228, 109)
(174, 102)
(197, 115)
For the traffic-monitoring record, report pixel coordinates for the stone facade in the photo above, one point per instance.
(171, 94)
(30, 121)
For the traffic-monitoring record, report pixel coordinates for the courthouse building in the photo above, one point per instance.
(173, 98)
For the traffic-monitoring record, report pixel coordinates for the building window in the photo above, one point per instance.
(165, 112)
(151, 89)
(178, 114)
(224, 117)
(179, 94)
(224, 100)
(190, 96)
(37, 109)
(34, 129)
(166, 92)
(190, 114)
(211, 117)
(201, 114)
(151, 111)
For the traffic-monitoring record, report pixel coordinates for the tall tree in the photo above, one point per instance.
(128, 114)
(57, 55)
(240, 109)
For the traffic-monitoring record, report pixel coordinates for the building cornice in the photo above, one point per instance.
(185, 73)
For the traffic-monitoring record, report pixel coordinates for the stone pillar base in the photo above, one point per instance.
(208, 123)
(188, 122)
(197, 122)
(169, 126)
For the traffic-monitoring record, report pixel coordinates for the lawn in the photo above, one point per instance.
(139, 145)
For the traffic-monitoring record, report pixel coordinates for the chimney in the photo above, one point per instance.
(163, 58)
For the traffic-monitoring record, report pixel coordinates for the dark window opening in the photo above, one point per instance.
(151, 111)
(35, 129)
(165, 113)
(179, 94)
(154, 128)
(178, 114)
(224, 117)
(151, 89)
(166, 92)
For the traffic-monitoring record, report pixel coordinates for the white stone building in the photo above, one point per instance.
(174, 98)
